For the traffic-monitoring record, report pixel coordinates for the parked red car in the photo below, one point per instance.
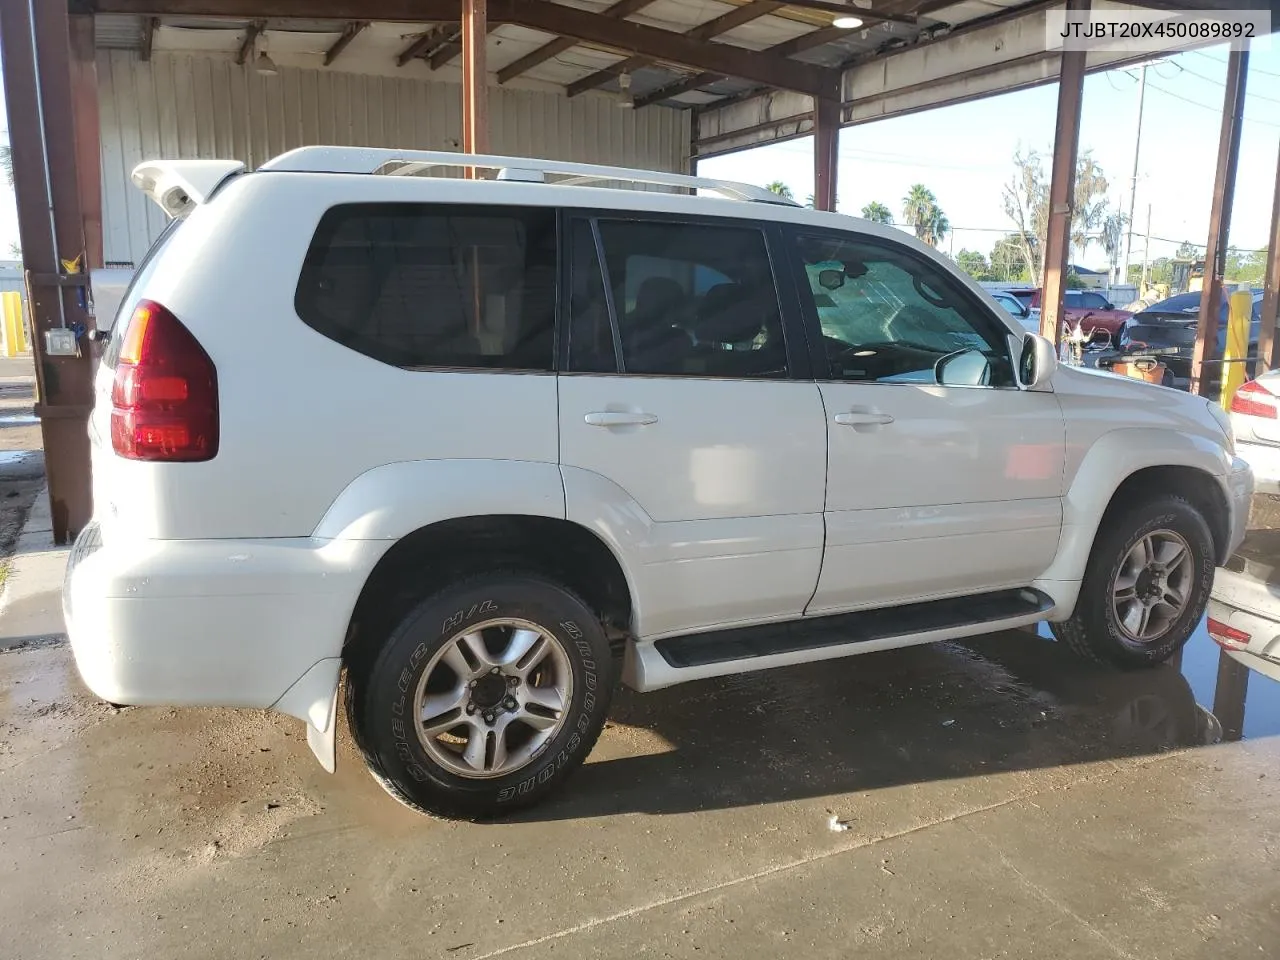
(1094, 311)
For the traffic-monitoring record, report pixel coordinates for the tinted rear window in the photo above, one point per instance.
(1182, 302)
(435, 285)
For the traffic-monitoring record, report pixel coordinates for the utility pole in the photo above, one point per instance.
(1133, 181)
(1224, 187)
(1146, 253)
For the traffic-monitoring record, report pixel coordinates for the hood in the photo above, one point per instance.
(1090, 392)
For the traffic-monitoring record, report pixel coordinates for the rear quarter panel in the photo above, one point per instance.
(302, 416)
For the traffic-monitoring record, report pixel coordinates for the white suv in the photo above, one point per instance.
(484, 446)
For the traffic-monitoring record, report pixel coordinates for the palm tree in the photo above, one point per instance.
(939, 227)
(877, 212)
(1112, 239)
(920, 209)
(6, 162)
(781, 189)
(1090, 206)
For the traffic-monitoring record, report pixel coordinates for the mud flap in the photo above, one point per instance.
(323, 743)
(314, 698)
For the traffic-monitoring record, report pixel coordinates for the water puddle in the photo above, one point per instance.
(1245, 702)
(9, 457)
(18, 419)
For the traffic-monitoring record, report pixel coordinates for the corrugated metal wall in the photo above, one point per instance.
(196, 106)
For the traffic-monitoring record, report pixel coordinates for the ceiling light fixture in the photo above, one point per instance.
(625, 100)
(265, 65)
(846, 23)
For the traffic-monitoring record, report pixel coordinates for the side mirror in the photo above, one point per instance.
(1039, 360)
(964, 368)
(831, 279)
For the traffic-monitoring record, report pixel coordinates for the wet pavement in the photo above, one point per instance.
(995, 798)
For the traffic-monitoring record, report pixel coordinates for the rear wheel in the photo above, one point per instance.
(1145, 587)
(484, 698)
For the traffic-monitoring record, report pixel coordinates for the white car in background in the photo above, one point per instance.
(1029, 317)
(1255, 419)
(1244, 607)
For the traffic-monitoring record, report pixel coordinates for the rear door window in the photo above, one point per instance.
(692, 299)
(435, 285)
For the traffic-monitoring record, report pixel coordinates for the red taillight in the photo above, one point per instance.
(1229, 638)
(164, 402)
(1254, 400)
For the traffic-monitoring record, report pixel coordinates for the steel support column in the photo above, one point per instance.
(84, 108)
(1268, 347)
(475, 90)
(826, 144)
(1229, 695)
(1062, 185)
(35, 41)
(1224, 189)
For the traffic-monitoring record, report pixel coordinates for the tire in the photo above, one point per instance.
(427, 664)
(1095, 630)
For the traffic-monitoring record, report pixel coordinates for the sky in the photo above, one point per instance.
(964, 153)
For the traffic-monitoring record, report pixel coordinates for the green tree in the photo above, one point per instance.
(6, 162)
(974, 263)
(1188, 251)
(781, 189)
(1026, 203)
(1090, 206)
(1009, 259)
(877, 212)
(1159, 270)
(920, 209)
(1112, 239)
(1247, 266)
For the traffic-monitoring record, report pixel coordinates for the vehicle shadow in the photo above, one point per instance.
(1004, 702)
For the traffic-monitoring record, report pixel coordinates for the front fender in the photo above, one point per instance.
(1112, 459)
(393, 500)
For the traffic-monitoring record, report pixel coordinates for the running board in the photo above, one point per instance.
(845, 629)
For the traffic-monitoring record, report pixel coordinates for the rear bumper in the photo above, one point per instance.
(1263, 651)
(208, 622)
(1264, 460)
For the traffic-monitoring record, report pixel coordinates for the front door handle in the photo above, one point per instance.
(862, 418)
(619, 418)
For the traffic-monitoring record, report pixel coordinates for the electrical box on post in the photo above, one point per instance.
(60, 342)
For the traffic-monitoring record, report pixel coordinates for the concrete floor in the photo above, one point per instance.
(991, 799)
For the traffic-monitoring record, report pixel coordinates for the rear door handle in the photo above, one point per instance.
(862, 418)
(619, 418)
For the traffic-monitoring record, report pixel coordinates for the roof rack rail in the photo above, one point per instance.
(412, 162)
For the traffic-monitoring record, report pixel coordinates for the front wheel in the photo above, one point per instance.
(1145, 587)
(484, 698)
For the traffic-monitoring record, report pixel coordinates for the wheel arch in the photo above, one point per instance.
(1123, 465)
(1201, 489)
(438, 553)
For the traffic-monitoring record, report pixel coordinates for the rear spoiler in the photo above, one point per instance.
(179, 186)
